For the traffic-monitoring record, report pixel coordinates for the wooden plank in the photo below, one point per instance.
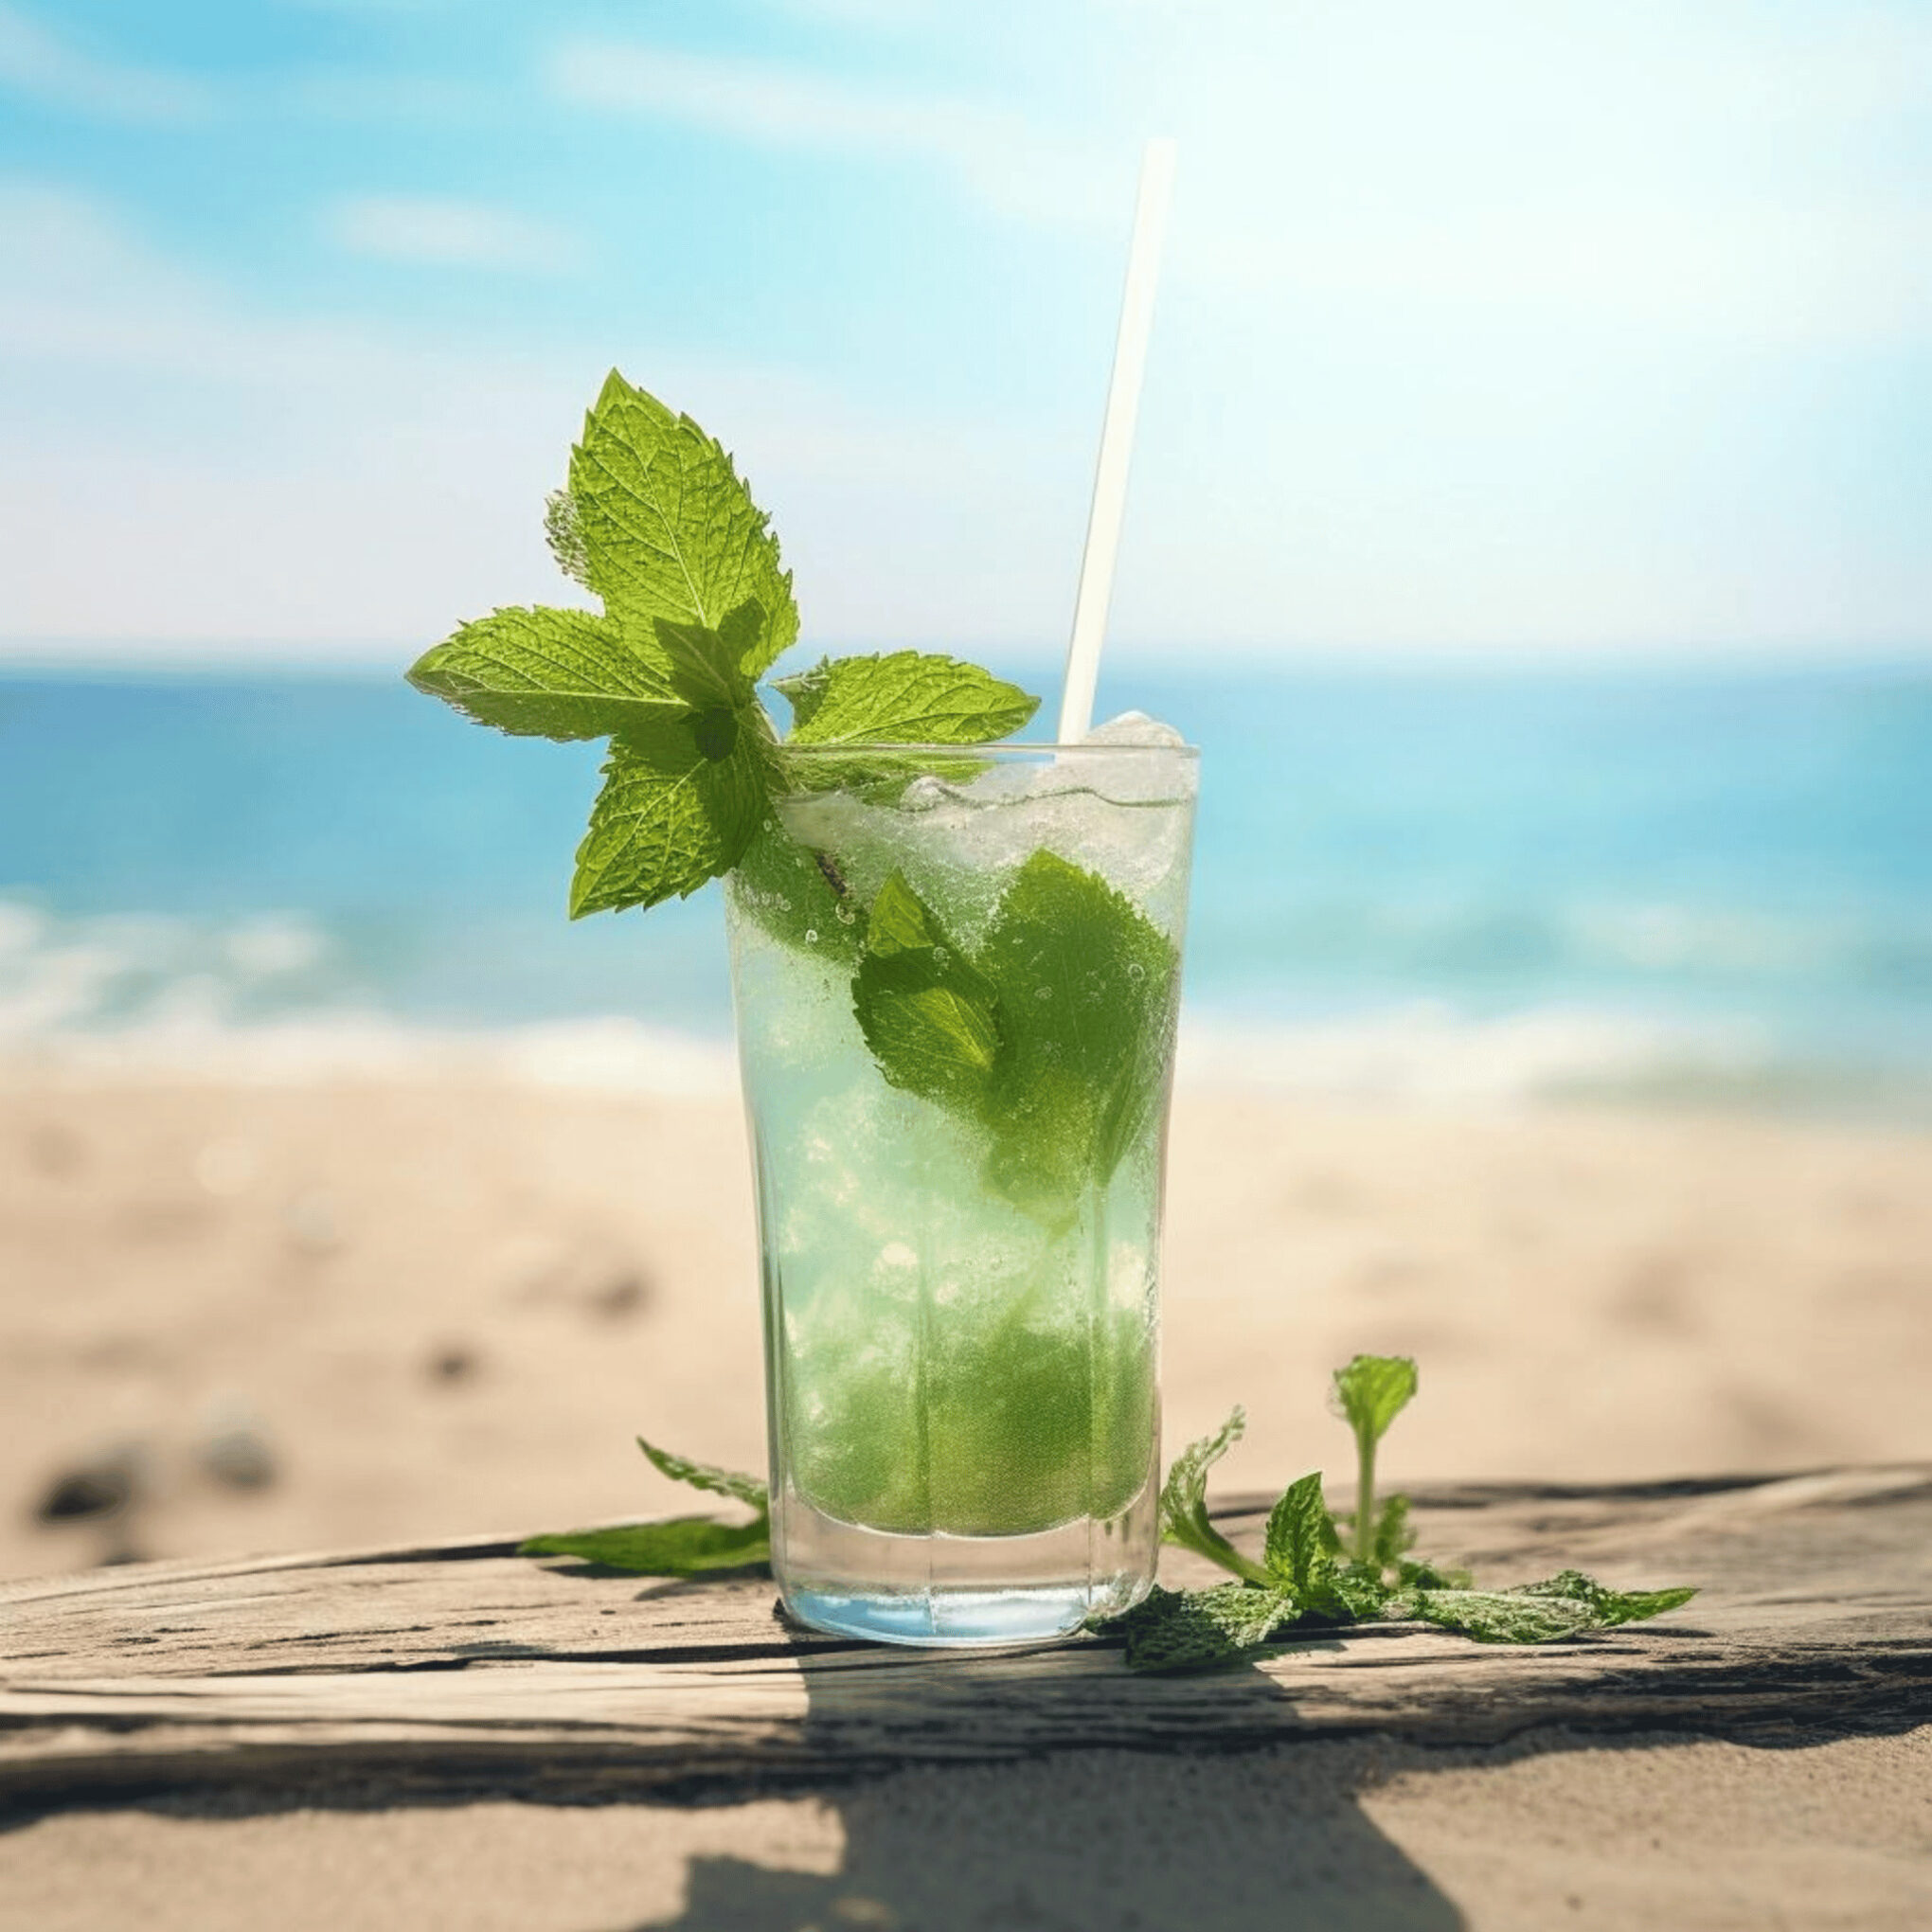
(464, 1667)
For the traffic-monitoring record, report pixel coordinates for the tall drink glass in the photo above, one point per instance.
(956, 976)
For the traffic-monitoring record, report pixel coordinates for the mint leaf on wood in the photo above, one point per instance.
(547, 673)
(681, 1547)
(1301, 1545)
(1174, 1632)
(906, 697)
(680, 802)
(1184, 1503)
(1568, 1605)
(668, 527)
(1608, 1606)
(1495, 1615)
(926, 1011)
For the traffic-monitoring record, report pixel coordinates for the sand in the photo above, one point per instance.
(432, 1308)
(1550, 1830)
(448, 1309)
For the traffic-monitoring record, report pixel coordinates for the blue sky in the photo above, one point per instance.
(1569, 329)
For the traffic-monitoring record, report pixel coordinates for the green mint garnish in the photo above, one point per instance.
(1302, 1584)
(697, 606)
(682, 1545)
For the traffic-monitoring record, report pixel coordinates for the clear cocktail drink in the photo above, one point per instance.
(956, 978)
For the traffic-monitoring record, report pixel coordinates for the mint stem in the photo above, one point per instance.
(1365, 1495)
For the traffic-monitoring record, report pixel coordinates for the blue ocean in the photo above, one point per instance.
(1707, 887)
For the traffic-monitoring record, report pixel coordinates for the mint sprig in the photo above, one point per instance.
(682, 1545)
(1301, 1583)
(1303, 1580)
(697, 606)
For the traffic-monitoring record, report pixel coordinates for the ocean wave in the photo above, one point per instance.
(264, 1000)
(1425, 1052)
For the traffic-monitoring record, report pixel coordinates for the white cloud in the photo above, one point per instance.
(188, 474)
(37, 62)
(441, 232)
(998, 155)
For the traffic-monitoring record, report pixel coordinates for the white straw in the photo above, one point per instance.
(1117, 442)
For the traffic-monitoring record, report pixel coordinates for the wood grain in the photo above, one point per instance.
(460, 1667)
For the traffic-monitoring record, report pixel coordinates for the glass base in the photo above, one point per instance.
(962, 1617)
(963, 1590)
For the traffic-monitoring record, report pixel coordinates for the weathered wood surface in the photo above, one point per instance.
(464, 1668)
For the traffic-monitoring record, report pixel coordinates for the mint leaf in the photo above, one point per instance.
(799, 896)
(1184, 1503)
(1353, 1593)
(1608, 1606)
(680, 802)
(547, 673)
(1086, 986)
(1495, 1615)
(905, 698)
(1371, 1391)
(1301, 1545)
(706, 1476)
(926, 1013)
(1567, 1605)
(669, 530)
(1175, 1632)
(682, 1546)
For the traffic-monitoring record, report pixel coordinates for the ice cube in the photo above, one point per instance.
(1134, 727)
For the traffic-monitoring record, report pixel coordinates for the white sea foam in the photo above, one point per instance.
(1423, 1052)
(248, 1002)
(122, 997)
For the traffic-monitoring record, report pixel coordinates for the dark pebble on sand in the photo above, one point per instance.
(88, 1492)
(240, 1460)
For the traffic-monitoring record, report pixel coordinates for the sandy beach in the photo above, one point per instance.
(344, 1314)
(426, 1308)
